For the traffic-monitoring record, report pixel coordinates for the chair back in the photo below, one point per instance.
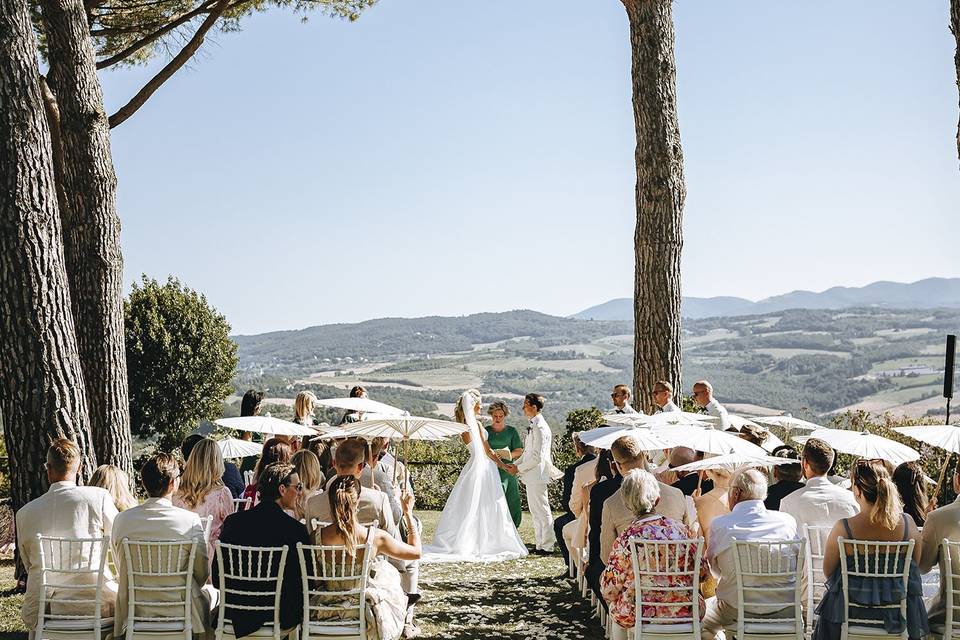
(242, 504)
(767, 574)
(248, 478)
(205, 525)
(159, 585)
(71, 584)
(661, 566)
(251, 579)
(950, 586)
(871, 559)
(816, 539)
(334, 589)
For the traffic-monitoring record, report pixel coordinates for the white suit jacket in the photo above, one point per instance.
(536, 463)
(65, 511)
(157, 519)
(717, 410)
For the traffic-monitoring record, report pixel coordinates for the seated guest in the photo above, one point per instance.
(393, 467)
(303, 408)
(748, 520)
(641, 492)
(65, 511)
(117, 484)
(202, 491)
(384, 585)
(820, 502)
(881, 518)
(911, 484)
(354, 416)
(268, 525)
(714, 502)
(274, 450)
(584, 477)
(621, 399)
(231, 477)
(753, 434)
(307, 466)
(703, 398)
(584, 455)
(787, 478)
(599, 493)
(686, 481)
(375, 477)
(941, 523)
(323, 449)
(617, 515)
(663, 397)
(249, 406)
(156, 520)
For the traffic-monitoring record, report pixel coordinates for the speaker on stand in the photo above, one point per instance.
(948, 372)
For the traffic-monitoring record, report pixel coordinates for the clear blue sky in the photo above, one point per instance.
(303, 174)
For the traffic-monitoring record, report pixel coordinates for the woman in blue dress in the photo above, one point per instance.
(881, 518)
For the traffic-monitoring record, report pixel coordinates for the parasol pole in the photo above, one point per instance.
(406, 458)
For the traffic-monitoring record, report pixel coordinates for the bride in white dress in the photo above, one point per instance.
(475, 525)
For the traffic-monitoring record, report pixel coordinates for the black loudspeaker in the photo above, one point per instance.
(948, 367)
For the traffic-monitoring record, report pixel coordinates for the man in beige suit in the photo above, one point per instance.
(575, 532)
(66, 511)
(157, 519)
(941, 523)
(616, 516)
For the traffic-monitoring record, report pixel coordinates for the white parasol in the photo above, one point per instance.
(657, 419)
(787, 422)
(363, 405)
(236, 448)
(863, 444)
(266, 424)
(709, 440)
(604, 437)
(734, 461)
(942, 436)
(330, 434)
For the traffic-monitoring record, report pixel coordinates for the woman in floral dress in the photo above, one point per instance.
(641, 493)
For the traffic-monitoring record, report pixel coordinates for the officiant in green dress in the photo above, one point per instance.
(505, 441)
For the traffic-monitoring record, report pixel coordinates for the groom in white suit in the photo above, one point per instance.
(536, 471)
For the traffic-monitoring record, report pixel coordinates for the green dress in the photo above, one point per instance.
(509, 438)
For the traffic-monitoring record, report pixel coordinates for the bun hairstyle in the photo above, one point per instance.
(458, 413)
(344, 495)
(873, 481)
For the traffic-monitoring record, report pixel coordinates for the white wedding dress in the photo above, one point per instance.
(475, 525)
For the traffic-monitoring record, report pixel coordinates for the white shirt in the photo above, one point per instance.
(749, 520)
(626, 408)
(669, 407)
(717, 410)
(821, 503)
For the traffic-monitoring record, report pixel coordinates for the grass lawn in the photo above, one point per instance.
(518, 599)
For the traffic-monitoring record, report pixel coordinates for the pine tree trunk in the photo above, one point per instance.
(658, 240)
(40, 376)
(91, 227)
(955, 29)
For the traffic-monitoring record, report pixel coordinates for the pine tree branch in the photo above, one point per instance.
(154, 36)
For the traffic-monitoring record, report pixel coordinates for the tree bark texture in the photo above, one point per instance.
(955, 29)
(41, 383)
(91, 227)
(660, 194)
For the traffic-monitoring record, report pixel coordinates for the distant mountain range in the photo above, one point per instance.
(924, 294)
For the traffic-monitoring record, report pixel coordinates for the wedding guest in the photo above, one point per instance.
(389, 602)
(249, 406)
(753, 435)
(787, 478)
(584, 455)
(158, 519)
(941, 523)
(621, 399)
(268, 525)
(584, 477)
(617, 514)
(599, 494)
(663, 397)
(641, 492)
(911, 484)
(703, 397)
(375, 477)
(201, 489)
(117, 484)
(232, 479)
(274, 450)
(713, 503)
(354, 416)
(307, 466)
(820, 502)
(536, 470)
(748, 520)
(686, 481)
(881, 518)
(395, 468)
(324, 452)
(303, 408)
(66, 511)
(505, 441)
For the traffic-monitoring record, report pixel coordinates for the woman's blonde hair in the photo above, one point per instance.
(203, 473)
(499, 405)
(344, 496)
(873, 480)
(303, 406)
(720, 473)
(307, 465)
(117, 484)
(475, 399)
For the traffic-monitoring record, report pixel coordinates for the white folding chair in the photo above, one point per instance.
(816, 538)
(242, 504)
(159, 579)
(250, 580)
(320, 564)
(767, 575)
(879, 560)
(950, 591)
(655, 563)
(248, 478)
(205, 525)
(71, 588)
